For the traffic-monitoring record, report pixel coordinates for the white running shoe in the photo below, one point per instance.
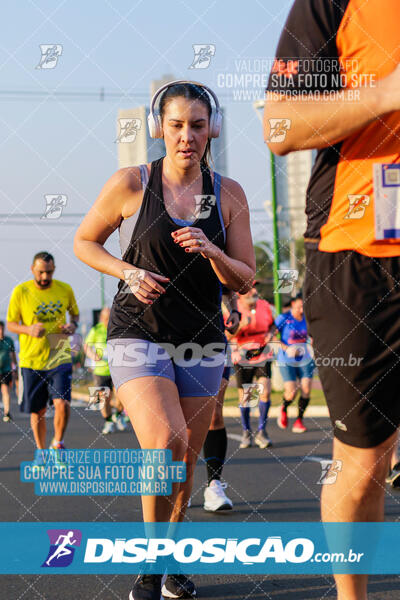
(215, 498)
(119, 422)
(109, 427)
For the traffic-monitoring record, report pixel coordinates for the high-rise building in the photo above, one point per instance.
(157, 83)
(292, 174)
(135, 146)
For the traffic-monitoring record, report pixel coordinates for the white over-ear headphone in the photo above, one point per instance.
(154, 119)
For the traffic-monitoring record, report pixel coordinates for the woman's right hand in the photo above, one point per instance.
(144, 285)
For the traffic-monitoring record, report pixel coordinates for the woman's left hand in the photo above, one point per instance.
(193, 240)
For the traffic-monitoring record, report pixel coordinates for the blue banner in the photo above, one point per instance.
(111, 472)
(210, 548)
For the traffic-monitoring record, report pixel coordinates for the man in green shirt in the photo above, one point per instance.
(8, 365)
(96, 350)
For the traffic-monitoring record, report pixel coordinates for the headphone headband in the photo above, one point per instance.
(177, 82)
(154, 120)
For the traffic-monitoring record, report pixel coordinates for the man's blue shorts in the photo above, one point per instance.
(41, 387)
(291, 373)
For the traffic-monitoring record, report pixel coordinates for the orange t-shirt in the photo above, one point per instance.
(329, 46)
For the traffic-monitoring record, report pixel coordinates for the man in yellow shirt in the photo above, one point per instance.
(37, 312)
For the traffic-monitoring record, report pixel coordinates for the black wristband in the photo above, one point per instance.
(75, 323)
(236, 311)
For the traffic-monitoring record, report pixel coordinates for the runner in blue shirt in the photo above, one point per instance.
(295, 362)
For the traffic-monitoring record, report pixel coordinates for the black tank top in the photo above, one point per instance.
(190, 309)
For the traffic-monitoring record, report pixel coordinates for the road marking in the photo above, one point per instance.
(235, 436)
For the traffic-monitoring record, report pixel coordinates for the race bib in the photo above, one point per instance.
(387, 201)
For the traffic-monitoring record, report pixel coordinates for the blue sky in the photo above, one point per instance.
(67, 146)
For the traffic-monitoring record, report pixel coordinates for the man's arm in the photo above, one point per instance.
(14, 317)
(271, 334)
(13, 357)
(72, 326)
(90, 350)
(14, 365)
(35, 330)
(308, 62)
(73, 311)
(18, 327)
(229, 300)
(319, 122)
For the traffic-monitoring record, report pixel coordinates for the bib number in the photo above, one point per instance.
(387, 201)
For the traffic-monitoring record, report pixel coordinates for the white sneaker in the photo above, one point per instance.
(108, 427)
(215, 497)
(119, 422)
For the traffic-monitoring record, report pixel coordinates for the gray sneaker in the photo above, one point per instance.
(262, 440)
(246, 439)
(394, 476)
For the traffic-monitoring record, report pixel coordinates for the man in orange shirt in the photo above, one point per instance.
(253, 361)
(335, 86)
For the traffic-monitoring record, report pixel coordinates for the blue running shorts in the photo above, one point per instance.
(194, 373)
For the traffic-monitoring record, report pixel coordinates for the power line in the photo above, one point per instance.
(99, 94)
(29, 215)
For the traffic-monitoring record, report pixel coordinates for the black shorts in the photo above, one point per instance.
(40, 387)
(248, 374)
(6, 378)
(226, 373)
(352, 308)
(103, 381)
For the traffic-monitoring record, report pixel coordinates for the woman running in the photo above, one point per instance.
(292, 327)
(184, 231)
(252, 359)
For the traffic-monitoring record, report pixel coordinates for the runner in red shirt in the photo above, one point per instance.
(253, 362)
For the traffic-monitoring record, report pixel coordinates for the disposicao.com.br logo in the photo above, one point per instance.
(192, 550)
(62, 547)
(208, 548)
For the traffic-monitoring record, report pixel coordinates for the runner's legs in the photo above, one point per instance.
(305, 386)
(289, 390)
(156, 414)
(38, 425)
(358, 495)
(62, 411)
(5, 395)
(197, 412)
(217, 420)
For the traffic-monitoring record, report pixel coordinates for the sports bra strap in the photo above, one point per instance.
(217, 191)
(144, 175)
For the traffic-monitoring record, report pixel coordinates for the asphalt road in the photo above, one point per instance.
(277, 484)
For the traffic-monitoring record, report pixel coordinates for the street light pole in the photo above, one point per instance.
(277, 296)
(102, 296)
(259, 107)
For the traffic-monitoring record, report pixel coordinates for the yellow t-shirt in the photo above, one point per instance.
(97, 339)
(30, 305)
